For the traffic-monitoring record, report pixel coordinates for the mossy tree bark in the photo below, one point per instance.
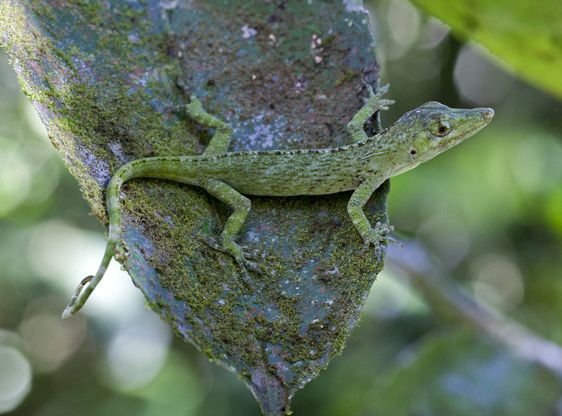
(285, 74)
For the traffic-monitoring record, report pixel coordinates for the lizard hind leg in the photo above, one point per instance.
(241, 206)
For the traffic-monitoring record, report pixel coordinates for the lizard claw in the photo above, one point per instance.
(376, 100)
(213, 243)
(249, 265)
(250, 253)
(240, 255)
(383, 90)
(244, 259)
(383, 230)
(181, 83)
(380, 91)
(380, 233)
(246, 265)
(371, 92)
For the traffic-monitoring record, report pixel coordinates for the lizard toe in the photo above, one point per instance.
(250, 253)
(253, 266)
(366, 247)
(213, 243)
(247, 265)
(378, 251)
(383, 90)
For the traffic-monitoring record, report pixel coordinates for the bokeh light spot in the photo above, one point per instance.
(403, 23)
(478, 79)
(497, 281)
(15, 177)
(15, 378)
(137, 352)
(51, 340)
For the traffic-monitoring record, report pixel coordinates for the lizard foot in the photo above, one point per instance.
(380, 233)
(241, 254)
(375, 98)
(380, 92)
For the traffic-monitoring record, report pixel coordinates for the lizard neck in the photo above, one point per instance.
(379, 146)
(378, 154)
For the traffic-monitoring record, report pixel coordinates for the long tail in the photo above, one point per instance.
(149, 167)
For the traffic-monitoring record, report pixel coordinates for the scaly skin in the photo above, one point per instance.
(362, 166)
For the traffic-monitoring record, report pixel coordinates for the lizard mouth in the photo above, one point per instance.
(486, 115)
(469, 133)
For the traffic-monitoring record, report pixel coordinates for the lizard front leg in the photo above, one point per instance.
(241, 206)
(370, 235)
(374, 103)
(223, 134)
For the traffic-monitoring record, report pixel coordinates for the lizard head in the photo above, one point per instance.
(433, 128)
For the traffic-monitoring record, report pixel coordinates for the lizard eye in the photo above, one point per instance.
(440, 128)
(413, 152)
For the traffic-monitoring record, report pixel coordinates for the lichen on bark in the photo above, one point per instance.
(285, 74)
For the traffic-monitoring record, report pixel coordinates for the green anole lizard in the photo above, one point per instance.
(361, 167)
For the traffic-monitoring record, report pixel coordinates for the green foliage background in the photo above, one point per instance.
(489, 212)
(526, 35)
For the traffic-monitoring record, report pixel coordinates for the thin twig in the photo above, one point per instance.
(446, 297)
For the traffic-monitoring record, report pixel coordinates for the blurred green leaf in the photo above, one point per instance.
(175, 391)
(553, 211)
(525, 34)
(456, 373)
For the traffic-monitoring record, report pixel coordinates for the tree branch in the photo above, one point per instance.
(448, 299)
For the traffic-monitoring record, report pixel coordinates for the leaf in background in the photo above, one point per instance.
(525, 34)
(459, 373)
(285, 74)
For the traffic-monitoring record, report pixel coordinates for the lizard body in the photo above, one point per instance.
(362, 166)
(269, 173)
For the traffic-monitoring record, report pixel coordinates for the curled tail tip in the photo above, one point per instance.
(70, 309)
(72, 306)
(67, 313)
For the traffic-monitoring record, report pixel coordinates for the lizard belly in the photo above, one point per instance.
(285, 173)
(293, 185)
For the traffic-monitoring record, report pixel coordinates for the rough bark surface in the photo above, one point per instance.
(285, 74)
